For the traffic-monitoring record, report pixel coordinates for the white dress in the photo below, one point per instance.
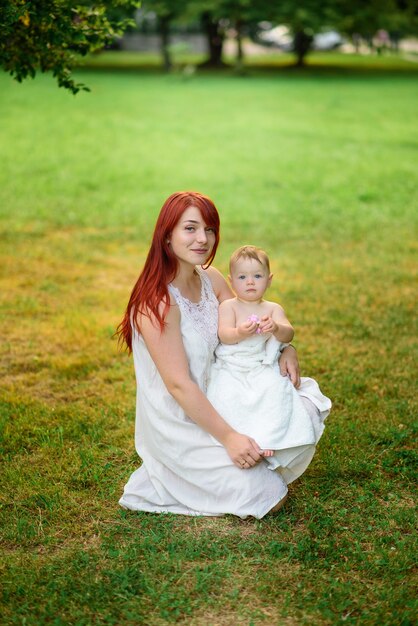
(184, 469)
(247, 389)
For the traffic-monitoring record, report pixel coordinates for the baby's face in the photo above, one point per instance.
(249, 279)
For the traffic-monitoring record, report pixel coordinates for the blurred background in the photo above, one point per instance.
(299, 119)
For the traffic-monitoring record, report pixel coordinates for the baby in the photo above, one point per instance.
(246, 386)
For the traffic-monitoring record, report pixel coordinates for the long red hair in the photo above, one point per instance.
(161, 264)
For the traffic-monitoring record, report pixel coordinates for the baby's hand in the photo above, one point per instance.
(247, 328)
(268, 325)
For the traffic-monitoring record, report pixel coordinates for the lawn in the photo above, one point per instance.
(319, 168)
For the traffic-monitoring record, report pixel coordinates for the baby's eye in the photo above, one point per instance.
(258, 276)
(241, 277)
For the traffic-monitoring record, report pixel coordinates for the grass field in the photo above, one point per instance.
(320, 169)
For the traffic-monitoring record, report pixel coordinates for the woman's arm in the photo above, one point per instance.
(289, 365)
(167, 351)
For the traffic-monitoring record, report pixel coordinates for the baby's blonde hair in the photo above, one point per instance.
(249, 252)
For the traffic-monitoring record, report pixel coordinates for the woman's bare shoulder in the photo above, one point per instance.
(214, 274)
(228, 304)
(219, 284)
(171, 315)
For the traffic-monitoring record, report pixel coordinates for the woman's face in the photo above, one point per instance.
(192, 240)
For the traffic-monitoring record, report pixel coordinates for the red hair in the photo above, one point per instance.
(161, 264)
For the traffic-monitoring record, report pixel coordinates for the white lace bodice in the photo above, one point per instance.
(203, 314)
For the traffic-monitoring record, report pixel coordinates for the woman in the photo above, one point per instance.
(193, 462)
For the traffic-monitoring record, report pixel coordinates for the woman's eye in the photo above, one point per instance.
(210, 230)
(190, 228)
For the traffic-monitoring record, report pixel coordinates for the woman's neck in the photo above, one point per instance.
(187, 281)
(186, 274)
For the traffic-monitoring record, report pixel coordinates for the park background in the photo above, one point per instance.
(316, 165)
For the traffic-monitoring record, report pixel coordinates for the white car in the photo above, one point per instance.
(278, 37)
(281, 37)
(329, 40)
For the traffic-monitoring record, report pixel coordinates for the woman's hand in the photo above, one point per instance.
(243, 450)
(289, 365)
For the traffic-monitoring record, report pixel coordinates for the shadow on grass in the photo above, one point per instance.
(316, 66)
(320, 73)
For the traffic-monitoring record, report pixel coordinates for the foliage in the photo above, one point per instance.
(367, 17)
(48, 35)
(165, 8)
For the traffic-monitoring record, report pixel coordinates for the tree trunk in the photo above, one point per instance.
(164, 23)
(301, 45)
(215, 39)
(240, 51)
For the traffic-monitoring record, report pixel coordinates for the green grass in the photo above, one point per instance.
(319, 168)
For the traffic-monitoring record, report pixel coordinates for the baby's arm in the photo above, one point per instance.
(228, 332)
(278, 324)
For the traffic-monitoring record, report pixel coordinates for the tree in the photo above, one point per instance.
(240, 15)
(366, 17)
(307, 17)
(303, 18)
(205, 11)
(49, 35)
(166, 11)
(219, 15)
